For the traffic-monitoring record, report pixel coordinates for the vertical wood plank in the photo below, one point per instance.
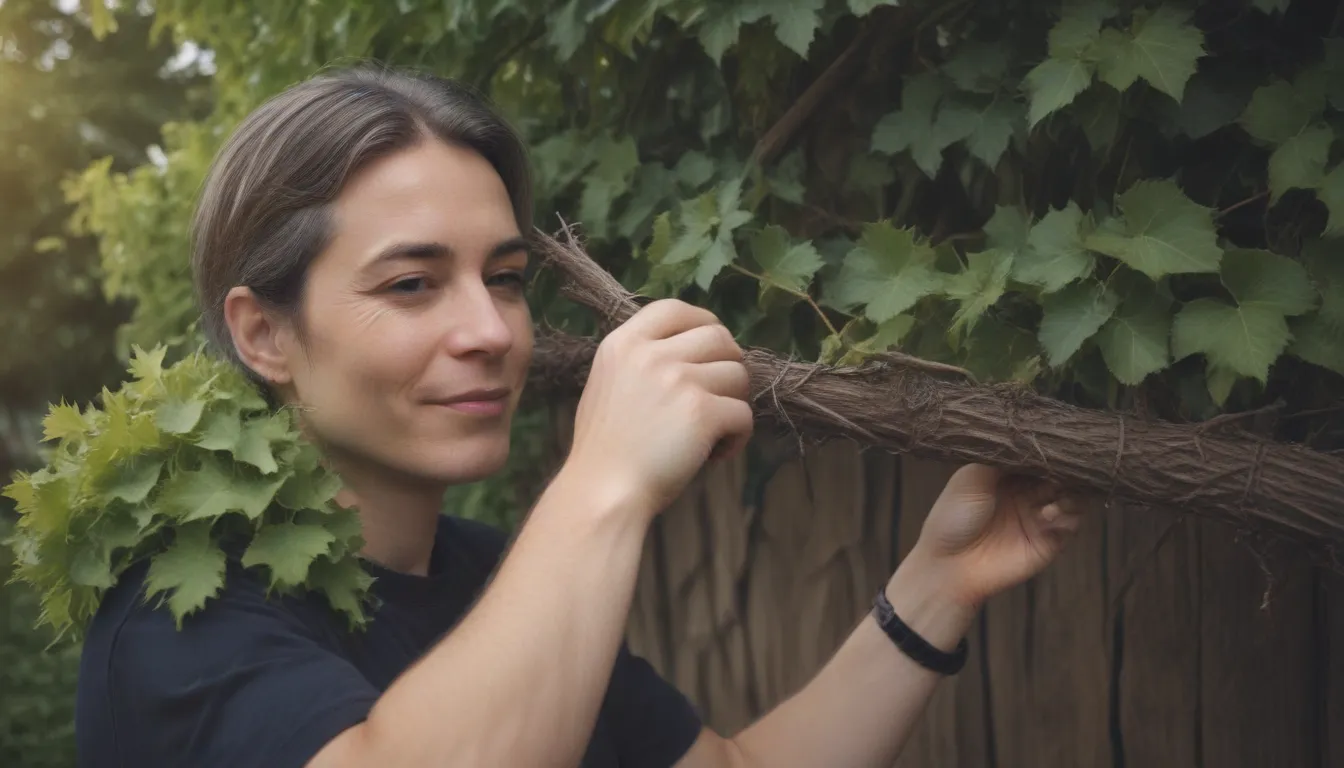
(1330, 662)
(1257, 703)
(1153, 559)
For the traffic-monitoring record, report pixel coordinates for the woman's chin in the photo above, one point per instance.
(468, 463)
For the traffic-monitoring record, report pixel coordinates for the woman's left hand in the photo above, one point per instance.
(989, 531)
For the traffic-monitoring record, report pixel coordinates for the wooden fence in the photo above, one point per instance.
(1155, 640)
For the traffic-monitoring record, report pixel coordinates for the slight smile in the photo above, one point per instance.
(479, 402)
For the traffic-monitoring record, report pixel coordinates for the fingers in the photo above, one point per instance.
(974, 480)
(1064, 514)
(723, 378)
(666, 318)
(736, 422)
(703, 344)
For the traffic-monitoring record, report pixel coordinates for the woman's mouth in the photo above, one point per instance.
(477, 402)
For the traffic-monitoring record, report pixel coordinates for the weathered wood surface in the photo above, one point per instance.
(1149, 643)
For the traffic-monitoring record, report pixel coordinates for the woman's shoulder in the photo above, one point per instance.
(134, 627)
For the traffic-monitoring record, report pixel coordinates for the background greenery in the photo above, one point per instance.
(1125, 204)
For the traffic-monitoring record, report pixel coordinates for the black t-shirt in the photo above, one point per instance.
(256, 682)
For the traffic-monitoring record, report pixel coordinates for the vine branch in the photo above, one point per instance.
(1283, 490)
(804, 295)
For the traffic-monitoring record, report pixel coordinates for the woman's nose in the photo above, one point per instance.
(476, 324)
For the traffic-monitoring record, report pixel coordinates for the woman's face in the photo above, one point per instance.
(417, 334)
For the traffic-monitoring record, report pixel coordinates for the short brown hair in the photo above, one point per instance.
(264, 211)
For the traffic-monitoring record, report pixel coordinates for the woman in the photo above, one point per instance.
(360, 251)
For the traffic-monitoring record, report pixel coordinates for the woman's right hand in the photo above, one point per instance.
(667, 390)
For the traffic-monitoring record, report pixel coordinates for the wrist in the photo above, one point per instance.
(601, 495)
(925, 596)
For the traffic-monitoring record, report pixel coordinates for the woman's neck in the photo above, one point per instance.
(399, 517)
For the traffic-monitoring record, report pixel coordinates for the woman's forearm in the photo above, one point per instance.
(861, 707)
(521, 679)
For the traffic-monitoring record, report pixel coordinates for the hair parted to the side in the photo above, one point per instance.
(264, 210)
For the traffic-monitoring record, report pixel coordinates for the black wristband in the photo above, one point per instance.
(914, 646)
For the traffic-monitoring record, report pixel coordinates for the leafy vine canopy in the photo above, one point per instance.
(1126, 204)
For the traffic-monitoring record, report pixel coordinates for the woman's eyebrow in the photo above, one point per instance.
(434, 251)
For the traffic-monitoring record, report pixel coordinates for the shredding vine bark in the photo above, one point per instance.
(905, 405)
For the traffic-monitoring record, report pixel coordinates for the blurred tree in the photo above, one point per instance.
(66, 100)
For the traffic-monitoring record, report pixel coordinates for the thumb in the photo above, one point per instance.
(974, 482)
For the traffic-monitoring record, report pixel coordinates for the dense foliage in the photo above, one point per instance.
(193, 450)
(1128, 204)
(68, 100)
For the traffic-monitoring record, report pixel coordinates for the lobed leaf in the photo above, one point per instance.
(1071, 317)
(1162, 232)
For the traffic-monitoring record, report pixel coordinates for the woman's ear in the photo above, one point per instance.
(258, 336)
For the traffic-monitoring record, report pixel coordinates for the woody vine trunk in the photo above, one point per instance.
(903, 404)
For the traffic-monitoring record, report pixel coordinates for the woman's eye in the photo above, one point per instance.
(508, 279)
(408, 285)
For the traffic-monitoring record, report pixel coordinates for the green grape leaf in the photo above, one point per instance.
(887, 335)
(191, 570)
(1279, 111)
(344, 584)
(567, 30)
(1269, 281)
(178, 417)
(1318, 342)
(287, 550)
(221, 428)
(1136, 341)
(343, 523)
(1299, 162)
(719, 253)
(64, 422)
(665, 279)
(864, 7)
(1240, 340)
(1325, 265)
(1220, 382)
(920, 126)
(886, 273)
(1331, 194)
(796, 23)
(1163, 48)
(979, 67)
(1053, 85)
(1055, 255)
(694, 169)
(996, 351)
(993, 130)
(1071, 317)
(719, 31)
(254, 442)
(784, 264)
(134, 480)
(1163, 232)
(861, 338)
(147, 366)
(1007, 229)
(310, 490)
(212, 490)
(610, 178)
(1246, 338)
(1271, 6)
(1078, 28)
(979, 286)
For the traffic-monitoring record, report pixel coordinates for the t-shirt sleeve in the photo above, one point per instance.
(243, 682)
(654, 723)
